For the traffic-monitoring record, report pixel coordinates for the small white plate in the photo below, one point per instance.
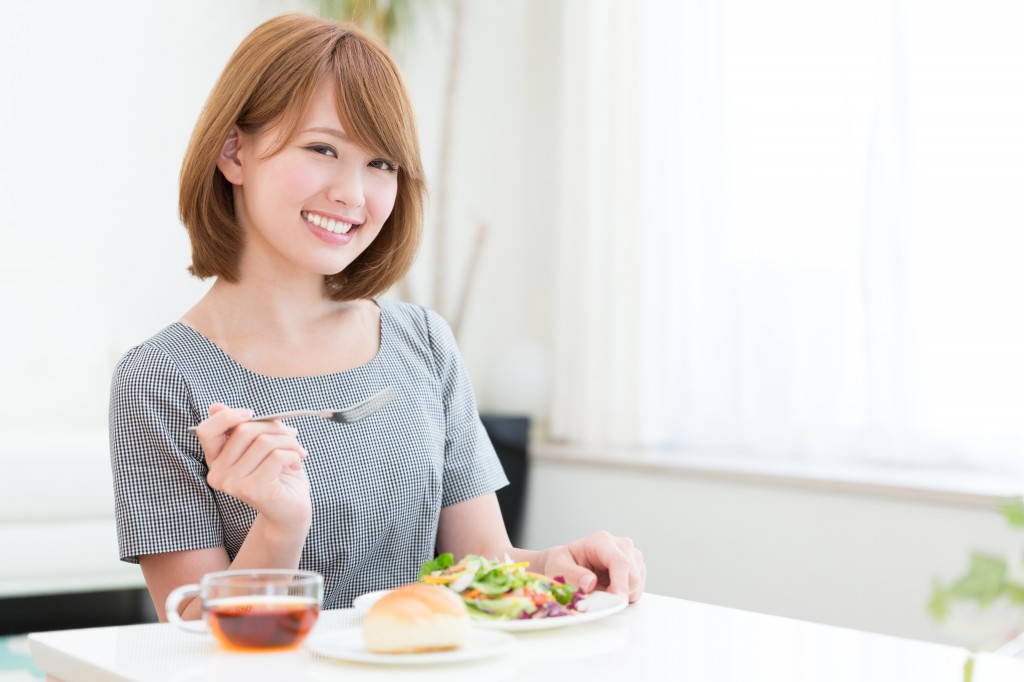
(347, 645)
(363, 602)
(596, 604)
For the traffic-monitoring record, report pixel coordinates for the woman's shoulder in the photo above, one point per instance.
(402, 312)
(417, 321)
(172, 349)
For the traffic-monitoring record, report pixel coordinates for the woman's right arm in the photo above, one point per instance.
(259, 463)
(164, 572)
(264, 547)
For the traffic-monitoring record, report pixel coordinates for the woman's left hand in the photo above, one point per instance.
(599, 561)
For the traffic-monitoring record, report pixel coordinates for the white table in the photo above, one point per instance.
(657, 638)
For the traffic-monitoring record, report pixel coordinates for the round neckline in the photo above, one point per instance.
(300, 377)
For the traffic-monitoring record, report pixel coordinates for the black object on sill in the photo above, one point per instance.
(510, 436)
(19, 615)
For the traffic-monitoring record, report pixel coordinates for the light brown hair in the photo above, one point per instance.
(271, 79)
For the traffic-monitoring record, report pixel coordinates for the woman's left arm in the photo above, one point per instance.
(598, 561)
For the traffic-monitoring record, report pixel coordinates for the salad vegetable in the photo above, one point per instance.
(502, 590)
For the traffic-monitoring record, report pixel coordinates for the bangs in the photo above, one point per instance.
(370, 105)
(371, 100)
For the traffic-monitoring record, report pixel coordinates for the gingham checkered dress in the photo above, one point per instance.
(377, 485)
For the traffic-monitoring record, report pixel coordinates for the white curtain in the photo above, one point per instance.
(793, 229)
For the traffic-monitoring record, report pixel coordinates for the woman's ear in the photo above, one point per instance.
(228, 162)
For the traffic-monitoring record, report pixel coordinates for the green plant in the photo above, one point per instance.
(989, 577)
(386, 19)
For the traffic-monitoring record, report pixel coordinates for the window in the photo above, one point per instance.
(794, 230)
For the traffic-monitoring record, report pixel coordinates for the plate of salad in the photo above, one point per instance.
(504, 595)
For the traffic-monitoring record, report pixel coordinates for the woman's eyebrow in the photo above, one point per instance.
(340, 134)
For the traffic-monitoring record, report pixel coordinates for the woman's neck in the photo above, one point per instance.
(286, 332)
(231, 309)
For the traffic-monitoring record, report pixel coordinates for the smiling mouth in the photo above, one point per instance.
(329, 224)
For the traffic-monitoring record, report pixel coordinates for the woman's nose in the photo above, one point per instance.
(346, 186)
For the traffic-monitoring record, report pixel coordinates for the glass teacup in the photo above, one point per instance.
(253, 609)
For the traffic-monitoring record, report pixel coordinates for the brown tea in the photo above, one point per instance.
(261, 622)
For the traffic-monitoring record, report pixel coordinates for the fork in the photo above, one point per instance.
(345, 415)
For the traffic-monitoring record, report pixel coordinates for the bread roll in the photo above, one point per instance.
(416, 618)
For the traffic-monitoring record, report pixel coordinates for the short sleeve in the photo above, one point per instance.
(471, 466)
(163, 503)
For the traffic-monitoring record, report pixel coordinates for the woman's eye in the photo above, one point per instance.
(383, 164)
(324, 149)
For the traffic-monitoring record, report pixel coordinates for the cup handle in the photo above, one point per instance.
(171, 608)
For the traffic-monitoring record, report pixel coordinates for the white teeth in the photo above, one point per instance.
(329, 224)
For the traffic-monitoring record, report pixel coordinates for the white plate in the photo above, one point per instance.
(597, 604)
(347, 645)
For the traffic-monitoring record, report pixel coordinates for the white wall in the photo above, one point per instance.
(859, 561)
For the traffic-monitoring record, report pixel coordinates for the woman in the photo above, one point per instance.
(302, 193)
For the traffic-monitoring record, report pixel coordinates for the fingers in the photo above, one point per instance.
(218, 407)
(615, 560)
(636, 571)
(601, 551)
(255, 439)
(223, 436)
(575, 574)
(245, 453)
(213, 431)
(638, 577)
(636, 574)
(262, 480)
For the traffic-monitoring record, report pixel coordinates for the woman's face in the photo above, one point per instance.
(314, 206)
